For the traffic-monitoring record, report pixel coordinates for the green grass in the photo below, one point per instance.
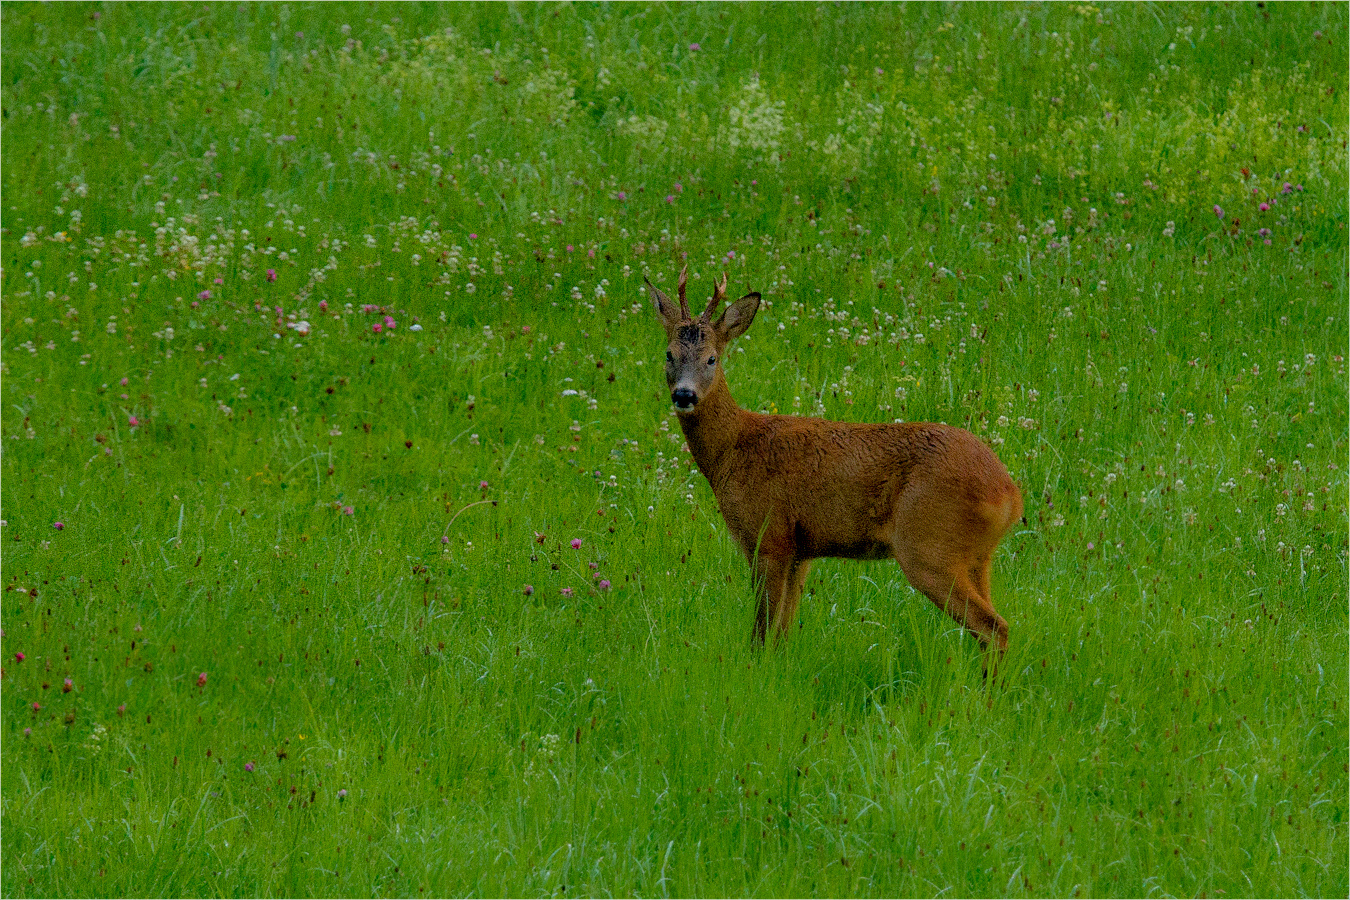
(1001, 217)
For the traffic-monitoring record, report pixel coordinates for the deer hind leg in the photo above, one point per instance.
(957, 593)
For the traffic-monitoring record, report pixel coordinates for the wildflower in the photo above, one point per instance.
(670, 198)
(133, 421)
(201, 680)
(482, 485)
(1264, 207)
(529, 589)
(377, 328)
(28, 732)
(1218, 210)
(694, 48)
(323, 306)
(566, 592)
(1287, 189)
(390, 323)
(445, 539)
(271, 275)
(19, 657)
(342, 795)
(622, 195)
(67, 686)
(604, 584)
(576, 543)
(348, 511)
(58, 525)
(204, 295)
(220, 281)
(121, 710)
(473, 237)
(36, 706)
(248, 766)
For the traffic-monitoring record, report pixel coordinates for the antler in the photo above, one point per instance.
(719, 295)
(684, 305)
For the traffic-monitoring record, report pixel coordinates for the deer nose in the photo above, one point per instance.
(683, 398)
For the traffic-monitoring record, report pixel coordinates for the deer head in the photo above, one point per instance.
(694, 349)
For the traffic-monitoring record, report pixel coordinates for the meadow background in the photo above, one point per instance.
(349, 543)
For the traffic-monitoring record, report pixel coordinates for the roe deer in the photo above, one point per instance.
(793, 489)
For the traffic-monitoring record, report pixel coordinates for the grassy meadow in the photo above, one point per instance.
(349, 542)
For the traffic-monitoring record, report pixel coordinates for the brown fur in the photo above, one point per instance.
(793, 489)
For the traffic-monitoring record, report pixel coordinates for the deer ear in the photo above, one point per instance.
(737, 318)
(669, 315)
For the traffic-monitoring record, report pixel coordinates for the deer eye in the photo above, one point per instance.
(711, 360)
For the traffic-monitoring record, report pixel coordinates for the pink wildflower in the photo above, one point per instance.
(1264, 207)
(566, 592)
(604, 584)
(271, 274)
(377, 328)
(133, 421)
(201, 680)
(58, 525)
(348, 511)
(67, 686)
(248, 767)
(576, 543)
(204, 295)
(19, 657)
(694, 48)
(529, 589)
(1218, 210)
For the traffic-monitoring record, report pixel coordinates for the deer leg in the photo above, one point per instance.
(956, 594)
(792, 595)
(771, 581)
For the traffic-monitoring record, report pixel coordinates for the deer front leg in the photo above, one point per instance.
(771, 584)
(792, 595)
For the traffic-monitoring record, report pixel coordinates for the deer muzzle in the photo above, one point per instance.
(683, 398)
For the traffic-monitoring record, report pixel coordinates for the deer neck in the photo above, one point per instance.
(712, 429)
